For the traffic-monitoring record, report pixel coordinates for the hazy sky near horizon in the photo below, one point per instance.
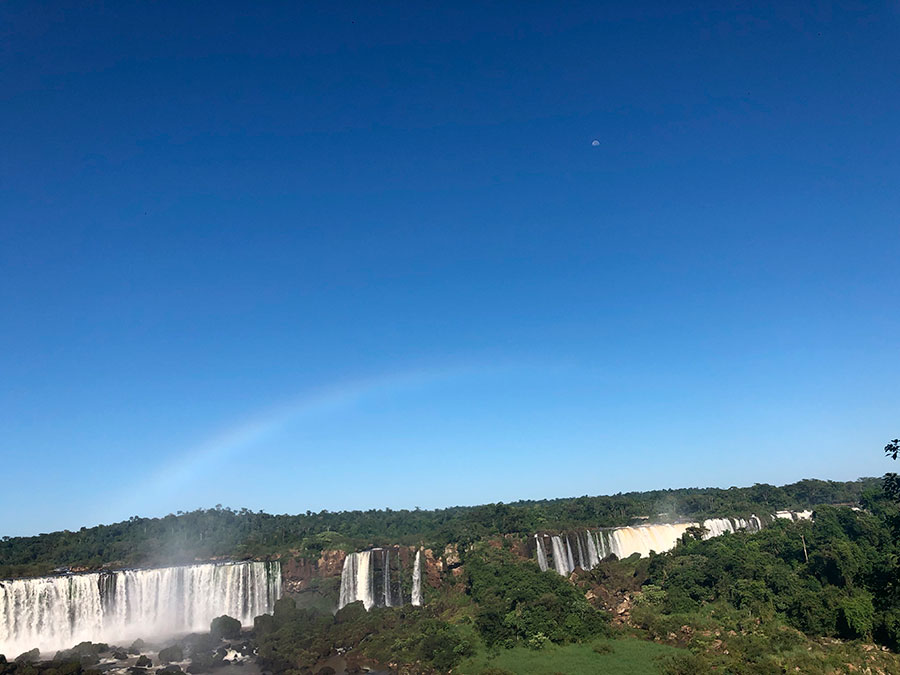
(298, 256)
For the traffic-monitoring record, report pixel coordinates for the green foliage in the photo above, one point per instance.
(519, 603)
(293, 637)
(650, 594)
(835, 577)
(856, 616)
(614, 657)
(685, 663)
(244, 533)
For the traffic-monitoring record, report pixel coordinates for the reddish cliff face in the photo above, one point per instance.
(432, 568)
(297, 573)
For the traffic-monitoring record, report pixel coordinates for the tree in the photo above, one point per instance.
(891, 479)
(892, 449)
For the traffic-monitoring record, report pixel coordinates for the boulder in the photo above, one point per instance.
(30, 656)
(224, 627)
(90, 648)
(170, 654)
(170, 670)
(68, 668)
(137, 646)
(144, 662)
(201, 643)
(120, 656)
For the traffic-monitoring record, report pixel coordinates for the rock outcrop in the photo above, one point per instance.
(297, 573)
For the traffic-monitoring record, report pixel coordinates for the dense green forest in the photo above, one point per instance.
(223, 532)
(810, 597)
(819, 597)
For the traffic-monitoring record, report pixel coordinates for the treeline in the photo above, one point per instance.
(223, 532)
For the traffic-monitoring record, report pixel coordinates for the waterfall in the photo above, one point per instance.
(626, 541)
(560, 559)
(593, 556)
(54, 613)
(590, 548)
(541, 555)
(417, 579)
(357, 580)
(794, 515)
(360, 581)
(386, 578)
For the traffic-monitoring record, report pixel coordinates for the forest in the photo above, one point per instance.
(240, 534)
(820, 597)
(812, 596)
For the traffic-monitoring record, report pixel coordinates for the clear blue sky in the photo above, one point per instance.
(298, 256)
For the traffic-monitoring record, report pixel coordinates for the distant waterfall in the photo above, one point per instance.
(541, 555)
(366, 576)
(417, 580)
(560, 558)
(794, 515)
(54, 613)
(386, 579)
(718, 526)
(356, 580)
(585, 549)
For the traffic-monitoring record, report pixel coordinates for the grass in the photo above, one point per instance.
(611, 657)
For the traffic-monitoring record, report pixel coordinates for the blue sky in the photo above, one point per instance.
(299, 256)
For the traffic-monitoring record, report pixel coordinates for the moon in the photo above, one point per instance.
(595, 142)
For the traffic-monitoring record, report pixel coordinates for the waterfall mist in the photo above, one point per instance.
(54, 613)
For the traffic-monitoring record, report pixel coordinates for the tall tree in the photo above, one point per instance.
(891, 479)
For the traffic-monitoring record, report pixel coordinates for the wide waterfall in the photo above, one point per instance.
(54, 613)
(417, 580)
(586, 548)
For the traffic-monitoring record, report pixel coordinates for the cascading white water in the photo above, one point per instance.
(794, 515)
(417, 579)
(357, 580)
(541, 555)
(626, 541)
(53, 613)
(593, 554)
(718, 526)
(386, 578)
(560, 559)
(589, 548)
